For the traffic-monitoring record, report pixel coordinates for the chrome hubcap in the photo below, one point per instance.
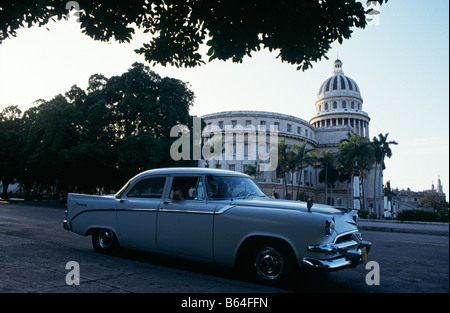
(269, 263)
(105, 238)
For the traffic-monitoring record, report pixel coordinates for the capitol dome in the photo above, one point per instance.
(339, 103)
(338, 84)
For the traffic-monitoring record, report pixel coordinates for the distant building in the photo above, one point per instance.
(409, 200)
(339, 111)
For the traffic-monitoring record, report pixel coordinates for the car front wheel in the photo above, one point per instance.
(271, 263)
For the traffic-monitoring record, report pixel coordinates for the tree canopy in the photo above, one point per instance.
(301, 31)
(99, 137)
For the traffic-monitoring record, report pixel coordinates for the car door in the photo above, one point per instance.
(137, 212)
(185, 225)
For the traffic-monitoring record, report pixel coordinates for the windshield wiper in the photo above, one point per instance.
(250, 194)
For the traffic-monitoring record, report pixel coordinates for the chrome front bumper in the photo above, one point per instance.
(341, 255)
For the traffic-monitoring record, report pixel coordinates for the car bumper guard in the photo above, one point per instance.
(342, 255)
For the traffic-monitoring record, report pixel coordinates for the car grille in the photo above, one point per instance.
(347, 240)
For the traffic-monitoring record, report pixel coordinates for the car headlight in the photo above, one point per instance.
(329, 226)
(356, 218)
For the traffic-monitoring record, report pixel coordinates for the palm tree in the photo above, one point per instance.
(356, 153)
(283, 164)
(301, 157)
(251, 170)
(345, 175)
(328, 174)
(313, 159)
(377, 147)
(292, 167)
(381, 150)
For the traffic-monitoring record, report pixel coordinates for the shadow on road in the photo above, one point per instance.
(303, 281)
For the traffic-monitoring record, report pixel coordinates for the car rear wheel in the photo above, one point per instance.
(104, 241)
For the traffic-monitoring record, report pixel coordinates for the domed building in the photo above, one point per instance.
(339, 102)
(338, 112)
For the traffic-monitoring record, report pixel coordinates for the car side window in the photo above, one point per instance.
(217, 187)
(187, 188)
(213, 188)
(148, 188)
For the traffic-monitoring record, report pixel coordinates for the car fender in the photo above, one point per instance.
(295, 228)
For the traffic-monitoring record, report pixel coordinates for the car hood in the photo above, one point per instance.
(285, 204)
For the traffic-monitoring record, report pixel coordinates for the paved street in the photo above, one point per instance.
(34, 251)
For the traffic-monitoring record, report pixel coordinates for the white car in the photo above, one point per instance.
(220, 217)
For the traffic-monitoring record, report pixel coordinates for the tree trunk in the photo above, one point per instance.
(375, 189)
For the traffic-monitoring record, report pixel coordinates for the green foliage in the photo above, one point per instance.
(328, 174)
(434, 201)
(11, 140)
(251, 170)
(300, 31)
(100, 137)
(355, 155)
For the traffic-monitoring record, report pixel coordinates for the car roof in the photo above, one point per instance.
(187, 171)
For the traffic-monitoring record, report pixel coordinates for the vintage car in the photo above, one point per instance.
(221, 217)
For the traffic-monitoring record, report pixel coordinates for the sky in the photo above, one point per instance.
(400, 63)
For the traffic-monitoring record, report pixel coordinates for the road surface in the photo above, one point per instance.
(35, 252)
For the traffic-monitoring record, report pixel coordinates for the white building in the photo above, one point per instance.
(339, 110)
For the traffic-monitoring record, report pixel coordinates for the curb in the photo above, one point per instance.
(426, 228)
(405, 230)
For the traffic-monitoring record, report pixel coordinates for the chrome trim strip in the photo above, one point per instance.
(330, 265)
(136, 210)
(186, 211)
(224, 209)
(332, 247)
(346, 233)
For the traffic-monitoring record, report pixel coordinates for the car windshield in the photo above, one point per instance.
(230, 187)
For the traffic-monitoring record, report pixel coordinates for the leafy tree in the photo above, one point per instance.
(251, 170)
(52, 127)
(11, 140)
(98, 137)
(24, 175)
(87, 166)
(131, 115)
(301, 31)
(435, 201)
